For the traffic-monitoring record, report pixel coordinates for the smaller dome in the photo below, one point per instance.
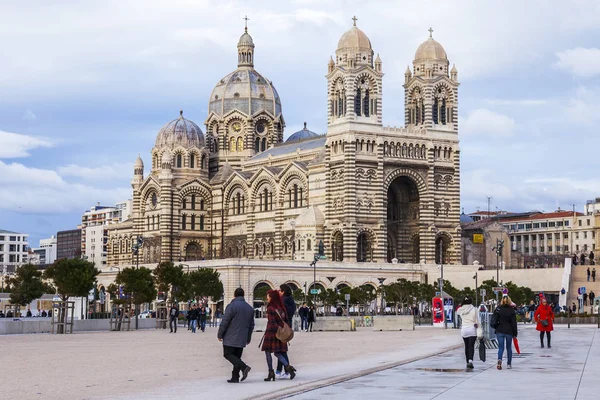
(354, 38)
(138, 163)
(246, 40)
(312, 216)
(431, 49)
(302, 135)
(182, 132)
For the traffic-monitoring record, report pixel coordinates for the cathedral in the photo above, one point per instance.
(362, 192)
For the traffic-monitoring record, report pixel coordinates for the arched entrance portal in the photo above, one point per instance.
(260, 294)
(442, 243)
(193, 251)
(402, 219)
(337, 247)
(364, 248)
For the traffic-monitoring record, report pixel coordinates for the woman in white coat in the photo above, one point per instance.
(471, 328)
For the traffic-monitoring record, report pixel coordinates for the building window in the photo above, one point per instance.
(183, 227)
(576, 247)
(201, 205)
(192, 160)
(565, 235)
(559, 223)
(585, 235)
(588, 222)
(308, 244)
(193, 202)
(566, 223)
(193, 222)
(536, 225)
(184, 204)
(579, 222)
(521, 226)
(552, 224)
(202, 222)
(179, 160)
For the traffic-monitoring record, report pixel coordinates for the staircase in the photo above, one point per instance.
(579, 279)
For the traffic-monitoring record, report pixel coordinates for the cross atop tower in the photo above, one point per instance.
(246, 23)
(430, 32)
(354, 19)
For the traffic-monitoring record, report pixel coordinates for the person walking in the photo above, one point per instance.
(506, 330)
(530, 311)
(202, 317)
(235, 331)
(173, 317)
(303, 313)
(585, 297)
(470, 328)
(588, 274)
(312, 317)
(192, 315)
(592, 297)
(290, 308)
(594, 274)
(276, 317)
(544, 316)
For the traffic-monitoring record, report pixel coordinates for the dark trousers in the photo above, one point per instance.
(470, 347)
(303, 323)
(173, 322)
(234, 356)
(202, 324)
(547, 337)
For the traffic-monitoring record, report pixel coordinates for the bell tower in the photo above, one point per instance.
(431, 89)
(354, 80)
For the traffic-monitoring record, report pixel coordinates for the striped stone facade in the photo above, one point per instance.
(364, 192)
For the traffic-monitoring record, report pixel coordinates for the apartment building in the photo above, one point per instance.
(14, 248)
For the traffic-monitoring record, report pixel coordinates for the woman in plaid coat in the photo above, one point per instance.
(276, 314)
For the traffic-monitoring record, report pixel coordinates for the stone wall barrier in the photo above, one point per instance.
(333, 324)
(394, 323)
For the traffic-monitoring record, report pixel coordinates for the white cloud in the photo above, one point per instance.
(581, 62)
(26, 189)
(103, 173)
(484, 122)
(582, 107)
(516, 102)
(15, 145)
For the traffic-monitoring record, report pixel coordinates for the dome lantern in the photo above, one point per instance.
(246, 48)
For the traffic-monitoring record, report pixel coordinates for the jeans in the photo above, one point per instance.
(280, 358)
(202, 324)
(173, 322)
(530, 316)
(234, 356)
(470, 347)
(303, 323)
(281, 364)
(508, 338)
(193, 325)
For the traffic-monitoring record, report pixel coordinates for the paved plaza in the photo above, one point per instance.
(334, 365)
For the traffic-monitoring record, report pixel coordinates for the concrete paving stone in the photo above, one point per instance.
(566, 371)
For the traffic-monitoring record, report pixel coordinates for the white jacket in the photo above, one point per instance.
(470, 316)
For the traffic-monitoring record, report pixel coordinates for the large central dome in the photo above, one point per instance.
(244, 89)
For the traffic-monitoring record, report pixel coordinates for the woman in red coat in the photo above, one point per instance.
(276, 314)
(544, 316)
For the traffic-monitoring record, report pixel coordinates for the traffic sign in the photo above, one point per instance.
(315, 291)
(498, 289)
(482, 292)
(347, 297)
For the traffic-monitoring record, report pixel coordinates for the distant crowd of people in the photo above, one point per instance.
(28, 314)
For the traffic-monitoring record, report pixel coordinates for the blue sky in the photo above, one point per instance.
(85, 87)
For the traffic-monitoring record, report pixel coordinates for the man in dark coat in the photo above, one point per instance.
(235, 332)
(173, 317)
(303, 313)
(290, 308)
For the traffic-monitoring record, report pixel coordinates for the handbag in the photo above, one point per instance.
(545, 322)
(284, 333)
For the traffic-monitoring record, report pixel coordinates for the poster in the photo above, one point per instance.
(448, 309)
(477, 238)
(437, 311)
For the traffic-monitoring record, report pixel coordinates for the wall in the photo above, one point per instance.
(10, 326)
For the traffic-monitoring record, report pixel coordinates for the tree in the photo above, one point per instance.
(27, 285)
(299, 296)
(170, 277)
(71, 277)
(204, 282)
(138, 284)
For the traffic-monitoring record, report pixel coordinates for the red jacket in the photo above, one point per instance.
(544, 312)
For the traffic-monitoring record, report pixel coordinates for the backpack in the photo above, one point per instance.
(495, 320)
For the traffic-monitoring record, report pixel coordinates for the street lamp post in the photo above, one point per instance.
(382, 293)
(442, 282)
(476, 289)
(314, 285)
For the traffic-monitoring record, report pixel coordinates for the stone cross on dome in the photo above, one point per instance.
(430, 32)
(246, 23)
(354, 19)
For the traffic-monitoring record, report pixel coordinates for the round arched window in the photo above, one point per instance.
(154, 199)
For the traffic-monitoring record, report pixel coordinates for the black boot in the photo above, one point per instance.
(549, 343)
(542, 342)
(271, 376)
(291, 370)
(235, 377)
